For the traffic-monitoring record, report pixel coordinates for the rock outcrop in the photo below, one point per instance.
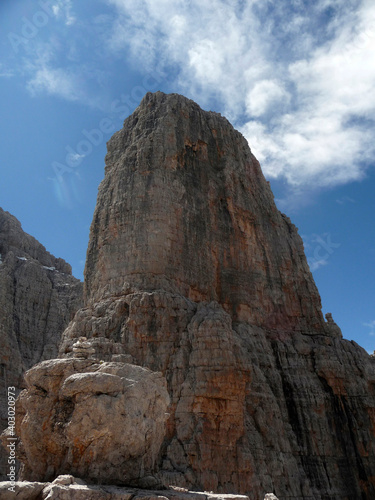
(102, 422)
(192, 271)
(67, 487)
(38, 298)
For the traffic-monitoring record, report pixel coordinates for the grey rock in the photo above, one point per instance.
(21, 490)
(38, 298)
(67, 479)
(77, 492)
(104, 422)
(332, 328)
(192, 271)
(61, 489)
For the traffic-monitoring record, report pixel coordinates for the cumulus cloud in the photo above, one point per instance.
(213, 45)
(296, 78)
(266, 95)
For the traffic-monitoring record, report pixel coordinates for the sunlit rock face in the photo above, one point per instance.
(102, 422)
(184, 207)
(192, 271)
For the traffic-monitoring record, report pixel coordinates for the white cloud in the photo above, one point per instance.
(55, 81)
(75, 158)
(316, 264)
(5, 72)
(371, 326)
(319, 249)
(344, 200)
(65, 83)
(217, 53)
(296, 82)
(46, 71)
(264, 95)
(64, 9)
(295, 78)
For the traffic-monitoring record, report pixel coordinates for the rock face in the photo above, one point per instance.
(104, 422)
(184, 207)
(192, 271)
(38, 298)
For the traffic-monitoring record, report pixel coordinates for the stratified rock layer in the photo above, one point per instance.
(38, 298)
(191, 270)
(67, 487)
(103, 422)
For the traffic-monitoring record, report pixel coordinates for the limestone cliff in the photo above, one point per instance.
(38, 298)
(191, 270)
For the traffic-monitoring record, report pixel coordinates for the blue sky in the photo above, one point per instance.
(296, 77)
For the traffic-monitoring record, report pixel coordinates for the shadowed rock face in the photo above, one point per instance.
(38, 298)
(191, 270)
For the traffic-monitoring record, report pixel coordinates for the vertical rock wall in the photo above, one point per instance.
(191, 270)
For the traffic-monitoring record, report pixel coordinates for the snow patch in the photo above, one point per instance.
(49, 268)
(21, 258)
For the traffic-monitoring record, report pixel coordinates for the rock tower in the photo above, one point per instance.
(192, 271)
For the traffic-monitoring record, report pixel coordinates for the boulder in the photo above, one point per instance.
(103, 422)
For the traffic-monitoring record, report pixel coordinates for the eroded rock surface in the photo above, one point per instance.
(38, 298)
(104, 422)
(192, 271)
(67, 487)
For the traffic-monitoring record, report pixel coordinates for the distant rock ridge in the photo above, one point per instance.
(14, 239)
(38, 298)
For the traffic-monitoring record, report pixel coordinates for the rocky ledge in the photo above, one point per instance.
(67, 487)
